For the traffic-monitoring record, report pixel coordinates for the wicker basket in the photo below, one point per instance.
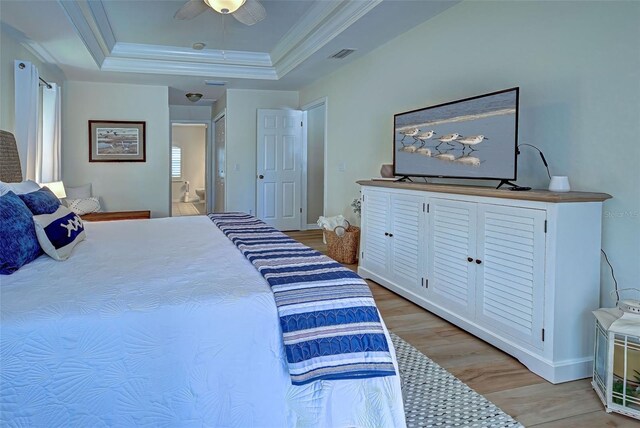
(343, 249)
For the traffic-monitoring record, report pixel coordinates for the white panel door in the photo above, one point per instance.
(375, 232)
(510, 293)
(406, 236)
(451, 258)
(279, 172)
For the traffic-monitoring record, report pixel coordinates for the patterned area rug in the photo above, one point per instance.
(433, 397)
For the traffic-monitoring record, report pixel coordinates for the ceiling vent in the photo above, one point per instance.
(343, 53)
(215, 82)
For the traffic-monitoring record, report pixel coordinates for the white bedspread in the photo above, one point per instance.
(161, 323)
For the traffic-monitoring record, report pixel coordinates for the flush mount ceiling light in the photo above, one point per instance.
(193, 97)
(249, 12)
(225, 6)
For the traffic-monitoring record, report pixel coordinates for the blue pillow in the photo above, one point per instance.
(41, 201)
(18, 241)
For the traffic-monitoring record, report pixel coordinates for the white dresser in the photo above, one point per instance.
(520, 270)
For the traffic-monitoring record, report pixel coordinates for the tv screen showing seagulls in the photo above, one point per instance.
(471, 138)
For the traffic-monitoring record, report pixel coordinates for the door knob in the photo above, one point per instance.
(469, 259)
(386, 234)
(261, 176)
(391, 235)
(478, 261)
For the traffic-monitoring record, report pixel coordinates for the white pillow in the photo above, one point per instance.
(84, 205)
(22, 188)
(59, 232)
(80, 192)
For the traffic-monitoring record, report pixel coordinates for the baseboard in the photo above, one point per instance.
(312, 226)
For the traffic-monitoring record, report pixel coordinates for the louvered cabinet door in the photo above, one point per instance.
(407, 240)
(375, 224)
(510, 297)
(452, 243)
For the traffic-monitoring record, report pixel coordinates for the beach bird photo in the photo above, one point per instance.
(409, 149)
(469, 160)
(424, 136)
(448, 139)
(446, 157)
(472, 137)
(472, 140)
(412, 132)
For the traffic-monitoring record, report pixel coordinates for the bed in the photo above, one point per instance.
(162, 322)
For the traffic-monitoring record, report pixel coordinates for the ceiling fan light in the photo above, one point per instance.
(225, 6)
(193, 97)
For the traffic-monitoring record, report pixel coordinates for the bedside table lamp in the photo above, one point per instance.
(57, 187)
(616, 371)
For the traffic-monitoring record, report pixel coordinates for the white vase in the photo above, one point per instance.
(559, 183)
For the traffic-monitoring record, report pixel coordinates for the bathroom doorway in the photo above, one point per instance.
(220, 148)
(188, 169)
(315, 153)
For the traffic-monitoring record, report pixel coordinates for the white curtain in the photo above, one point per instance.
(50, 153)
(38, 125)
(27, 97)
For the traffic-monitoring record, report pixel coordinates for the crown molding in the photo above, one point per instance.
(38, 51)
(103, 24)
(93, 40)
(173, 53)
(53, 71)
(335, 22)
(155, 66)
(301, 29)
(321, 24)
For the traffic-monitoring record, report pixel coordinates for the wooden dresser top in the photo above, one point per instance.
(529, 195)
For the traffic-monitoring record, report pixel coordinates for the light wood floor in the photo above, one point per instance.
(525, 396)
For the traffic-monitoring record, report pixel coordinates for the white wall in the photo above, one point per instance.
(192, 140)
(122, 186)
(10, 50)
(315, 163)
(179, 112)
(578, 67)
(242, 116)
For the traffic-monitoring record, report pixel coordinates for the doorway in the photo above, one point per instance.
(188, 169)
(291, 166)
(315, 155)
(220, 147)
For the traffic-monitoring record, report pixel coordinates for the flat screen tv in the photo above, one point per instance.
(475, 137)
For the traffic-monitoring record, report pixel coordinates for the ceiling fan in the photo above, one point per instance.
(248, 12)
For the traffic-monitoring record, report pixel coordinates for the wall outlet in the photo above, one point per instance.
(342, 166)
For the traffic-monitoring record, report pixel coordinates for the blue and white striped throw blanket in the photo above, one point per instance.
(330, 323)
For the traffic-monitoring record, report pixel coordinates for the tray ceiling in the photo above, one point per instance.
(139, 42)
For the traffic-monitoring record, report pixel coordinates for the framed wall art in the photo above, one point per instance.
(116, 141)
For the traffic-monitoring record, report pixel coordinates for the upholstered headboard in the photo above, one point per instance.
(10, 170)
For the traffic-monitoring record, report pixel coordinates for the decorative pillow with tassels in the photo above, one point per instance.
(84, 205)
(59, 232)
